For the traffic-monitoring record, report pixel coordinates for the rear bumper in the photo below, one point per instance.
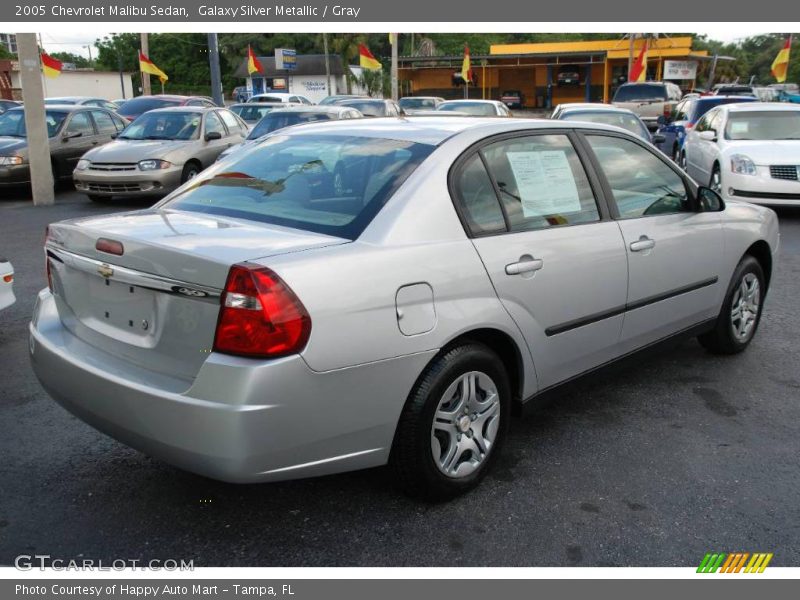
(133, 183)
(240, 420)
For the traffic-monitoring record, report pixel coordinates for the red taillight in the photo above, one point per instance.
(8, 278)
(109, 246)
(688, 125)
(260, 316)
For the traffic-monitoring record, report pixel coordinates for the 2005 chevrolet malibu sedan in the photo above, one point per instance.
(354, 293)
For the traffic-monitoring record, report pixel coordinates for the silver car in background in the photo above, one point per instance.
(477, 108)
(268, 322)
(159, 151)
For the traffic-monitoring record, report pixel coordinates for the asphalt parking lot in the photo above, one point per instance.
(682, 454)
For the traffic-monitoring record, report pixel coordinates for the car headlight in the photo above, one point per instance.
(83, 164)
(742, 165)
(10, 160)
(154, 164)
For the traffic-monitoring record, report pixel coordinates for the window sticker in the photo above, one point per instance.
(545, 183)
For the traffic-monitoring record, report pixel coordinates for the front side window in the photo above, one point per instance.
(541, 182)
(213, 124)
(327, 184)
(641, 183)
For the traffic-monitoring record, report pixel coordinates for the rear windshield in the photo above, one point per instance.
(478, 109)
(641, 92)
(137, 106)
(277, 121)
(416, 103)
(253, 112)
(763, 125)
(368, 108)
(706, 104)
(626, 121)
(322, 183)
(12, 123)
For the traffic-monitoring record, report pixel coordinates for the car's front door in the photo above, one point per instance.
(555, 258)
(674, 250)
(211, 149)
(77, 138)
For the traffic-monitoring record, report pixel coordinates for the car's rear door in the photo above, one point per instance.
(674, 251)
(556, 259)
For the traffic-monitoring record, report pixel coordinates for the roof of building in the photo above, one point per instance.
(307, 64)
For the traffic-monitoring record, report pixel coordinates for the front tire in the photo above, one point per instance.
(716, 180)
(740, 315)
(453, 423)
(190, 170)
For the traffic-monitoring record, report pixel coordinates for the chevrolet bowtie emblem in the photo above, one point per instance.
(105, 271)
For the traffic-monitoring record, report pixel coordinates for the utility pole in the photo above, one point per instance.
(121, 74)
(327, 63)
(146, 91)
(89, 48)
(394, 66)
(630, 54)
(38, 141)
(213, 63)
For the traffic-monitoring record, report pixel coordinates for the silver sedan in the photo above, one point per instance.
(349, 294)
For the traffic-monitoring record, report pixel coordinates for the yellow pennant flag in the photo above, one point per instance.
(780, 66)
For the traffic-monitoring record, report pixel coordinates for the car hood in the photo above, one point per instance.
(10, 146)
(130, 151)
(767, 152)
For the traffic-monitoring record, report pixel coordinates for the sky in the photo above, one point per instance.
(76, 42)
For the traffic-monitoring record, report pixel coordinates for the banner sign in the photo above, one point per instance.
(680, 69)
(285, 59)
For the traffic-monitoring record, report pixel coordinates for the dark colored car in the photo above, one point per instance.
(734, 89)
(8, 104)
(568, 75)
(252, 112)
(512, 99)
(373, 107)
(73, 130)
(141, 104)
(685, 114)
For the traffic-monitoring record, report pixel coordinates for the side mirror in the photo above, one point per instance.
(658, 138)
(70, 136)
(708, 200)
(114, 136)
(213, 135)
(708, 135)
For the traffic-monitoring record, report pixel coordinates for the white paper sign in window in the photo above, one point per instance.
(545, 183)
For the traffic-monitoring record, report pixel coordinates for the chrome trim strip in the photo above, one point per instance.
(148, 281)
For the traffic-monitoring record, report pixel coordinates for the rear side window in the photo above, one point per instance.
(104, 121)
(323, 183)
(642, 184)
(80, 124)
(230, 120)
(541, 182)
(477, 198)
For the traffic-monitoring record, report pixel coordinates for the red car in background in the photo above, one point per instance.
(512, 99)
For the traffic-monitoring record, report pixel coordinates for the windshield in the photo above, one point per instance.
(12, 123)
(253, 113)
(706, 104)
(164, 126)
(277, 121)
(327, 184)
(478, 109)
(626, 121)
(763, 125)
(369, 108)
(641, 92)
(416, 103)
(262, 98)
(137, 106)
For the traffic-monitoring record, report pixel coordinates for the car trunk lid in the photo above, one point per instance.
(156, 304)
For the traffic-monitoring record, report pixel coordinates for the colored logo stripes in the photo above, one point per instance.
(735, 562)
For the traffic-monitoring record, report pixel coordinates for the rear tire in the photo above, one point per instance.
(740, 314)
(716, 179)
(453, 424)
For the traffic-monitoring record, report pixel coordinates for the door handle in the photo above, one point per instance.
(643, 243)
(526, 264)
